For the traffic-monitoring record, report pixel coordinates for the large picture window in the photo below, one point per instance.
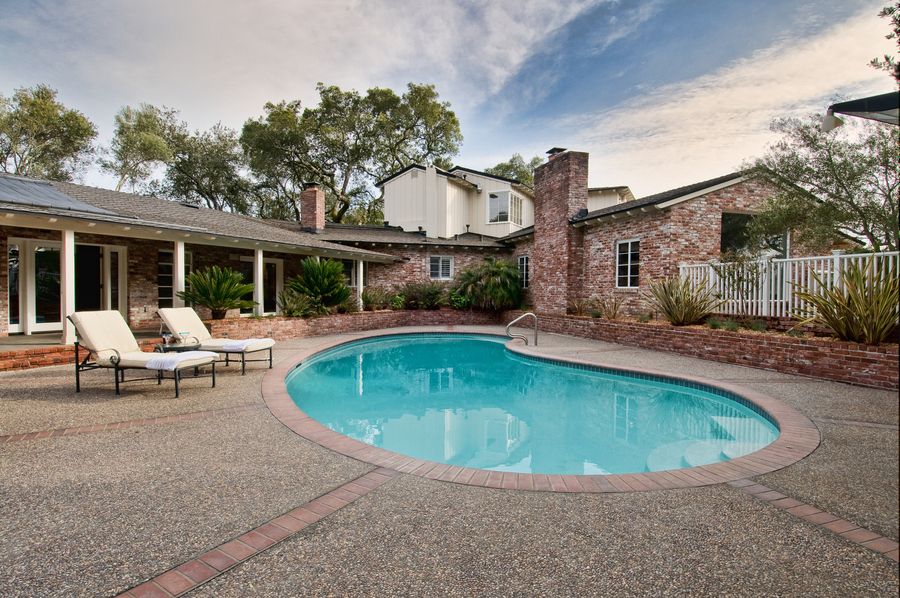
(504, 206)
(440, 267)
(628, 263)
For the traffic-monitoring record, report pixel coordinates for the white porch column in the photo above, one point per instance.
(67, 285)
(359, 282)
(258, 309)
(178, 273)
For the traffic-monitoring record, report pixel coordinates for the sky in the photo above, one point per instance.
(661, 93)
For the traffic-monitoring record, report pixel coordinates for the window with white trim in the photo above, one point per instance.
(440, 267)
(504, 206)
(628, 263)
(165, 281)
(523, 271)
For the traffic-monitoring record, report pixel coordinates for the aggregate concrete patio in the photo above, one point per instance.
(97, 511)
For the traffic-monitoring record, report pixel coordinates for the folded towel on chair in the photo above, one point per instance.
(240, 345)
(170, 361)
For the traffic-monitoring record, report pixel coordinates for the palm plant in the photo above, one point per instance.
(218, 289)
(861, 308)
(494, 285)
(680, 302)
(293, 304)
(323, 282)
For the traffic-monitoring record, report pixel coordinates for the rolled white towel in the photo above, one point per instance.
(170, 361)
(240, 345)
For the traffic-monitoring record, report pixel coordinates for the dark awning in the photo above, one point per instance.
(883, 108)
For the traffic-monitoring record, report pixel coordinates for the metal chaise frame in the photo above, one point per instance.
(84, 365)
(243, 354)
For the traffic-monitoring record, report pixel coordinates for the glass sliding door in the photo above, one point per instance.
(13, 269)
(47, 289)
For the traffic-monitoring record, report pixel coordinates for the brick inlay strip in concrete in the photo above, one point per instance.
(846, 529)
(131, 423)
(197, 571)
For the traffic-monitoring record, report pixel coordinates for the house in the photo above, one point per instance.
(72, 247)
(443, 203)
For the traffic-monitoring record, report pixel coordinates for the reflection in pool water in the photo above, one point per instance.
(465, 400)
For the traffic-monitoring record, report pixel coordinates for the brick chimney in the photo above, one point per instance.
(312, 208)
(557, 260)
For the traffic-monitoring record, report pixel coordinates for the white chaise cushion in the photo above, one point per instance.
(104, 333)
(184, 319)
(237, 346)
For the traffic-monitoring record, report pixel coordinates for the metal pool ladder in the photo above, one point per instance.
(522, 336)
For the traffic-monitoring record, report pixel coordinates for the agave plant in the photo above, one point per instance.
(323, 282)
(680, 302)
(608, 306)
(218, 289)
(862, 308)
(494, 285)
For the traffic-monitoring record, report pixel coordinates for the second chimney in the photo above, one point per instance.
(312, 208)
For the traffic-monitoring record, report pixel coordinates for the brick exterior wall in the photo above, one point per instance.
(415, 264)
(826, 359)
(560, 191)
(281, 328)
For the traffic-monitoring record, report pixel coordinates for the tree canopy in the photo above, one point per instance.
(346, 143)
(517, 168)
(843, 182)
(889, 62)
(142, 140)
(40, 137)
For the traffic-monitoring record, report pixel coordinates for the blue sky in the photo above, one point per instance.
(661, 93)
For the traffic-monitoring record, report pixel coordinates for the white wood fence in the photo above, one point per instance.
(768, 287)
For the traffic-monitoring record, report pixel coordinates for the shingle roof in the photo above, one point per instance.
(659, 198)
(350, 233)
(140, 210)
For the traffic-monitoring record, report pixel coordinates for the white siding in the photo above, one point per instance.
(458, 201)
(597, 200)
(404, 200)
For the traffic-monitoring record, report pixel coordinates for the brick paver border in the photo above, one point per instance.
(798, 437)
(846, 529)
(197, 571)
(131, 423)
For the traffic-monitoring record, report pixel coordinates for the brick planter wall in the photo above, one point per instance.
(282, 328)
(827, 359)
(42, 356)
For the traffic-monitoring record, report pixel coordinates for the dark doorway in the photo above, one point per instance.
(88, 278)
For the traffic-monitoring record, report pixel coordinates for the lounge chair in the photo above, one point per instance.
(112, 345)
(187, 327)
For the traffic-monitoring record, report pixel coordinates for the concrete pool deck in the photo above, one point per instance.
(100, 509)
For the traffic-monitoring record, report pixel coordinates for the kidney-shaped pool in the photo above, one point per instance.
(466, 400)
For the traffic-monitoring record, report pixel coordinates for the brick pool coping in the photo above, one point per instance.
(798, 435)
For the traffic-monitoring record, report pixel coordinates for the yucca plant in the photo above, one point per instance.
(493, 285)
(323, 282)
(608, 306)
(862, 308)
(681, 303)
(218, 289)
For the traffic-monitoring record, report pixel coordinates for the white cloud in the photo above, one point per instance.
(698, 129)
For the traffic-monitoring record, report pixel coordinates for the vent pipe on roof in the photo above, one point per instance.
(467, 228)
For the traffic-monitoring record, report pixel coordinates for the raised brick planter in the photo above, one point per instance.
(823, 358)
(283, 328)
(43, 356)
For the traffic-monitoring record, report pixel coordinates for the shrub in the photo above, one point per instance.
(219, 289)
(459, 301)
(862, 308)
(375, 298)
(679, 302)
(644, 318)
(398, 301)
(714, 323)
(493, 285)
(293, 304)
(323, 282)
(758, 325)
(578, 307)
(731, 325)
(350, 306)
(422, 295)
(608, 306)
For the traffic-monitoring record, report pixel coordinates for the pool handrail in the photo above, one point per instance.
(522, 336)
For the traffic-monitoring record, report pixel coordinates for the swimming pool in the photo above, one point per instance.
(466, 400)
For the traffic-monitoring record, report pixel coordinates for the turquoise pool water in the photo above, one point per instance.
(465, 400)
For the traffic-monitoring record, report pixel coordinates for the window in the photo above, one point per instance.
(523, 271)
(441, 267)
(165, 281)
(350, 273)
(628, 263)
(504, 206)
